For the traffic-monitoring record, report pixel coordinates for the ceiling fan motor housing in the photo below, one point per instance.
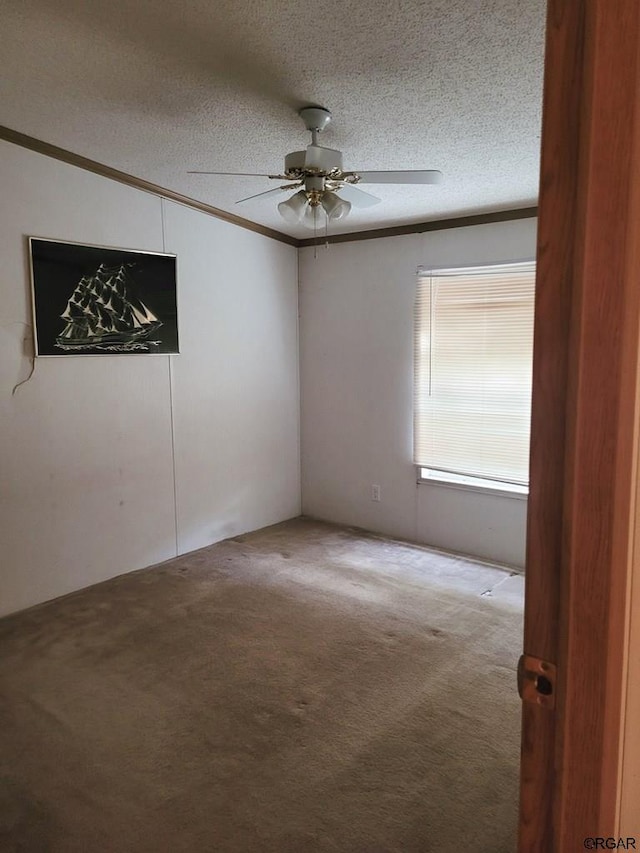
(315, 158)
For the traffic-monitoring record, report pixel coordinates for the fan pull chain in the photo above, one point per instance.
(315, 233)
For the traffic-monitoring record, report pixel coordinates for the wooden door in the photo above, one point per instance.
(584, 422)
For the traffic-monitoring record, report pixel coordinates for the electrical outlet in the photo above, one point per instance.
(375, 493)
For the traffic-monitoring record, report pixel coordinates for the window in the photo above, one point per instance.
(472, 380)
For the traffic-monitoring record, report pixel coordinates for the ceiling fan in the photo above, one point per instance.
(321, 184)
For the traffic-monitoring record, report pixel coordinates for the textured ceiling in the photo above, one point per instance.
(155, 88)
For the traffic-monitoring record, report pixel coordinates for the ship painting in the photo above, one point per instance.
(93, 300)
(103, 313)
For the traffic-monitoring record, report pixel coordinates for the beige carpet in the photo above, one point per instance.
(303, 688)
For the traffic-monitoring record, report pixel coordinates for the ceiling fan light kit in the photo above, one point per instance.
(334, 206)
(293, 208)
(318, 176)
(303, 207)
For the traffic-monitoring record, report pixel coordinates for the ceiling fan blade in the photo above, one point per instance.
(417, 176)
(266, 192)
(357, 197)
(240, 174)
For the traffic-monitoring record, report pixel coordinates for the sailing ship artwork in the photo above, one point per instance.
(92, 300)
(102, 313)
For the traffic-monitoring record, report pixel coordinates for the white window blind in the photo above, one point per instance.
(472, 382)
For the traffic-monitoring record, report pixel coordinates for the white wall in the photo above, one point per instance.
(112, 463)
(356, 363)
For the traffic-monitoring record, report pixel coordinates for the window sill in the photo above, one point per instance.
(520, 493)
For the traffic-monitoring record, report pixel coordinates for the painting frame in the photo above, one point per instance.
(89, 299)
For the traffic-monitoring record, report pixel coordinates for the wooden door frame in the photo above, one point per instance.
(584, 429)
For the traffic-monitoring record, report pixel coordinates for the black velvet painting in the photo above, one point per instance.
(93, 300)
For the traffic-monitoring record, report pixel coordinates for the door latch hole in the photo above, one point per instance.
(544, 686)
(537, 681)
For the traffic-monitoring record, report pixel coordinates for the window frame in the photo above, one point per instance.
(443, 479)
(426, 475)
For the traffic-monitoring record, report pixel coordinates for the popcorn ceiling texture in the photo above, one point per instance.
(156, 88)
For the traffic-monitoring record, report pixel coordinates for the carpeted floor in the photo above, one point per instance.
(303, 688)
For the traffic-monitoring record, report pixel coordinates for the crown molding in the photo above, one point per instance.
(65, 156)
(430, 225)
